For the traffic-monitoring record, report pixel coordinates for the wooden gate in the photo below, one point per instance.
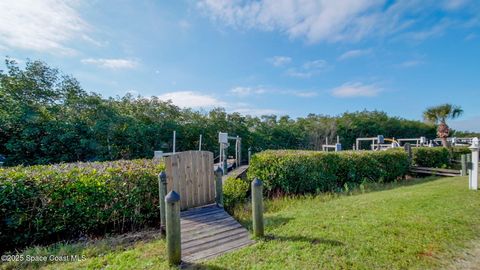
(191, 175)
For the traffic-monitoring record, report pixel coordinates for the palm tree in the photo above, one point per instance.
(438, 115)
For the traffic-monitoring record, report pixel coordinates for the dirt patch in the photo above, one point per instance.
(468, 259)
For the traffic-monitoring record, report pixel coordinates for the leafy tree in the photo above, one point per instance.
(438, 115)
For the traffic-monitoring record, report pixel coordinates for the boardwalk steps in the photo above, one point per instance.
(209, 231)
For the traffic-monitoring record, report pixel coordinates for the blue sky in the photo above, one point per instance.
(261, 57)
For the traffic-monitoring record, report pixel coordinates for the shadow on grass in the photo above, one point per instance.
(91, 247)
(376, 187)
(311, 240)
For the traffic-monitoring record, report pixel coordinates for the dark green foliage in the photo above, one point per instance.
(46, 117)
(292, 171)
(456, 152)
(433, 157)
(40, 204)
(234, 191)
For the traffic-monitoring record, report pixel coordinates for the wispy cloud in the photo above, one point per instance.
(308, 69)
(354, 54)
(244, 91)
(411, 63)
(192, 99)
(42, 25)
(112, 63)
(279, 61)
(356, 89)
(332, 21)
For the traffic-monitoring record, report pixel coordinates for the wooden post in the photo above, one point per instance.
(464, 165)
(257, 207)
(408, 149)
(162, 191)
(249, 154)
(174, 248)
(218, 187)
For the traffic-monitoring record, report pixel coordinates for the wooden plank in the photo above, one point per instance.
(169, 171)
(210, 243)
(203, 218)
(203, 178)
(203, 214)
(437, 169)
(207, 233)
(197, 242)
(220, 249)
(211, 179)
(180, 179)
(199, 210)
(198, 177)
(202, 225)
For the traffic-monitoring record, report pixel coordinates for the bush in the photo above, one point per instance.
(293, 171)
(456, 152)
(42, 204)
(433, 157)
(234, 191)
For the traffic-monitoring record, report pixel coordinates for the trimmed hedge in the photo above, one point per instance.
(42, 204)
(292, 171)
(433, 157)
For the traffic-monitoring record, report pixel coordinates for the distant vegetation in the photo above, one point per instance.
(46, 117)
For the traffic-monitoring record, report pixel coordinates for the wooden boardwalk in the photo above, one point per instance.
(208, 232)
(236, 173)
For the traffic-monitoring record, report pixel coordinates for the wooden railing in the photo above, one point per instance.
(435, 171)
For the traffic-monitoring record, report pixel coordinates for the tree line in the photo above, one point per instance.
(46, 117)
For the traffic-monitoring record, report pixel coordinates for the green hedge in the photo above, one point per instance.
(42, 204)
(293, 171)
(456, 152)
(234, 191)
(433, 157)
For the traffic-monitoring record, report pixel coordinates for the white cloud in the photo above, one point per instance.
(112, 63)
(280, 61)
(191, 99)
(411, 63)
(246, 91)
(315, 20)
(254, 111)
(41, 25)
(356, 89)
(308, 69)
(332, 21)
(353, 54)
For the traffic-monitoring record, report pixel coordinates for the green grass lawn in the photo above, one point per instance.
(424, 224)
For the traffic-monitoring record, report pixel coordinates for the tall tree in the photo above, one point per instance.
(438, 115)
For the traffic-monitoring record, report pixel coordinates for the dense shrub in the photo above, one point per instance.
(293, 171)
(40, 204)
(456, 152)
(434, 157)
(234, 191)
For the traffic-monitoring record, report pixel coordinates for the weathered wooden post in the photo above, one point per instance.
(218, 187)
(257, 207)
(172, 213)
(162, 191)
(408, 149)
(474, 172)
(249, 154)
(464, 164)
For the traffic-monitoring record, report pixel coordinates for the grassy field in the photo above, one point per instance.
(422, 224)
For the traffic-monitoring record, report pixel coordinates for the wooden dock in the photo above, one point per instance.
(239, 172)
(208, 232)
